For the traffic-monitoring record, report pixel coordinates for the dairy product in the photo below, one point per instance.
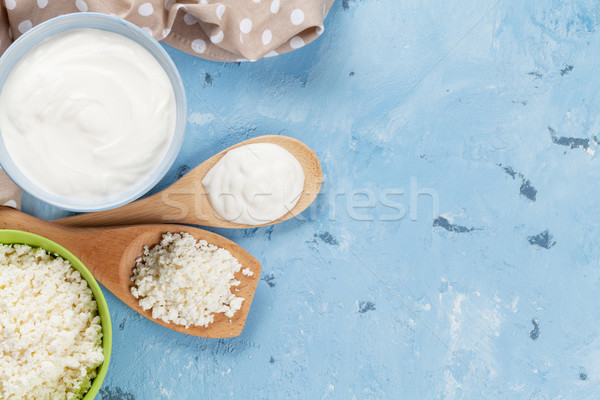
(185, 281)
(87, 114)
(254, 184)
(50, 331)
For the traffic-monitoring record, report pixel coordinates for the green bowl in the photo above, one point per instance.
(19, 237)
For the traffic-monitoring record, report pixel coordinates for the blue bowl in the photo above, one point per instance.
(112, 24)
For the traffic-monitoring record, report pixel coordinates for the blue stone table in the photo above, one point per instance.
(454, 251)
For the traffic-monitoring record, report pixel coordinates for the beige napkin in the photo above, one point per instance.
(220, 30)
(10, 194)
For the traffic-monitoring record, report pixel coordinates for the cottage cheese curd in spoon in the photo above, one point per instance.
(254, 184)
(87, 114)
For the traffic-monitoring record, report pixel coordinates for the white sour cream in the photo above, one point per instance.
(254, 184)
(87, 114)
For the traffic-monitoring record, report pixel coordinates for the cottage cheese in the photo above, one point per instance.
(185, 281)
(50, 332)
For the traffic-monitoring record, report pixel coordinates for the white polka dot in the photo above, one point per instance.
(320, 30)
(190, 19)
(166, 32)
(199, 46)
(218, 38)
(147, 30)
(296, 42)
(272, 54)
(25, 26)
(297, 17)
(275, 6)
(10, 4)
(266, 37)
(246, 25)
(220, 11)
(42, 3)
(81, 6)
(168, 4)
(256, 1)
(10, 203)
(145, 9)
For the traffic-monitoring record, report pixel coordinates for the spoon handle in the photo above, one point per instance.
(85, 244)
(182, 202)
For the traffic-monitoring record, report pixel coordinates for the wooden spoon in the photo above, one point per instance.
(186, 201)
(110, 254)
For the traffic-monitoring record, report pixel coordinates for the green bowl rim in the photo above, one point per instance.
(9, 236)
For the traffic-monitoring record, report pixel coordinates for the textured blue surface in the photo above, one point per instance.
(454, 251)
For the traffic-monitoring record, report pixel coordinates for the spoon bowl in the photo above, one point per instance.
(110, 254)
(186, 200)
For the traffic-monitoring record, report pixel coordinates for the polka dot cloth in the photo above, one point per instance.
(10, 194)
(220, 30)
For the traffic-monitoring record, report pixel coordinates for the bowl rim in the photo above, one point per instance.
(10, 236)
(67, 22)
